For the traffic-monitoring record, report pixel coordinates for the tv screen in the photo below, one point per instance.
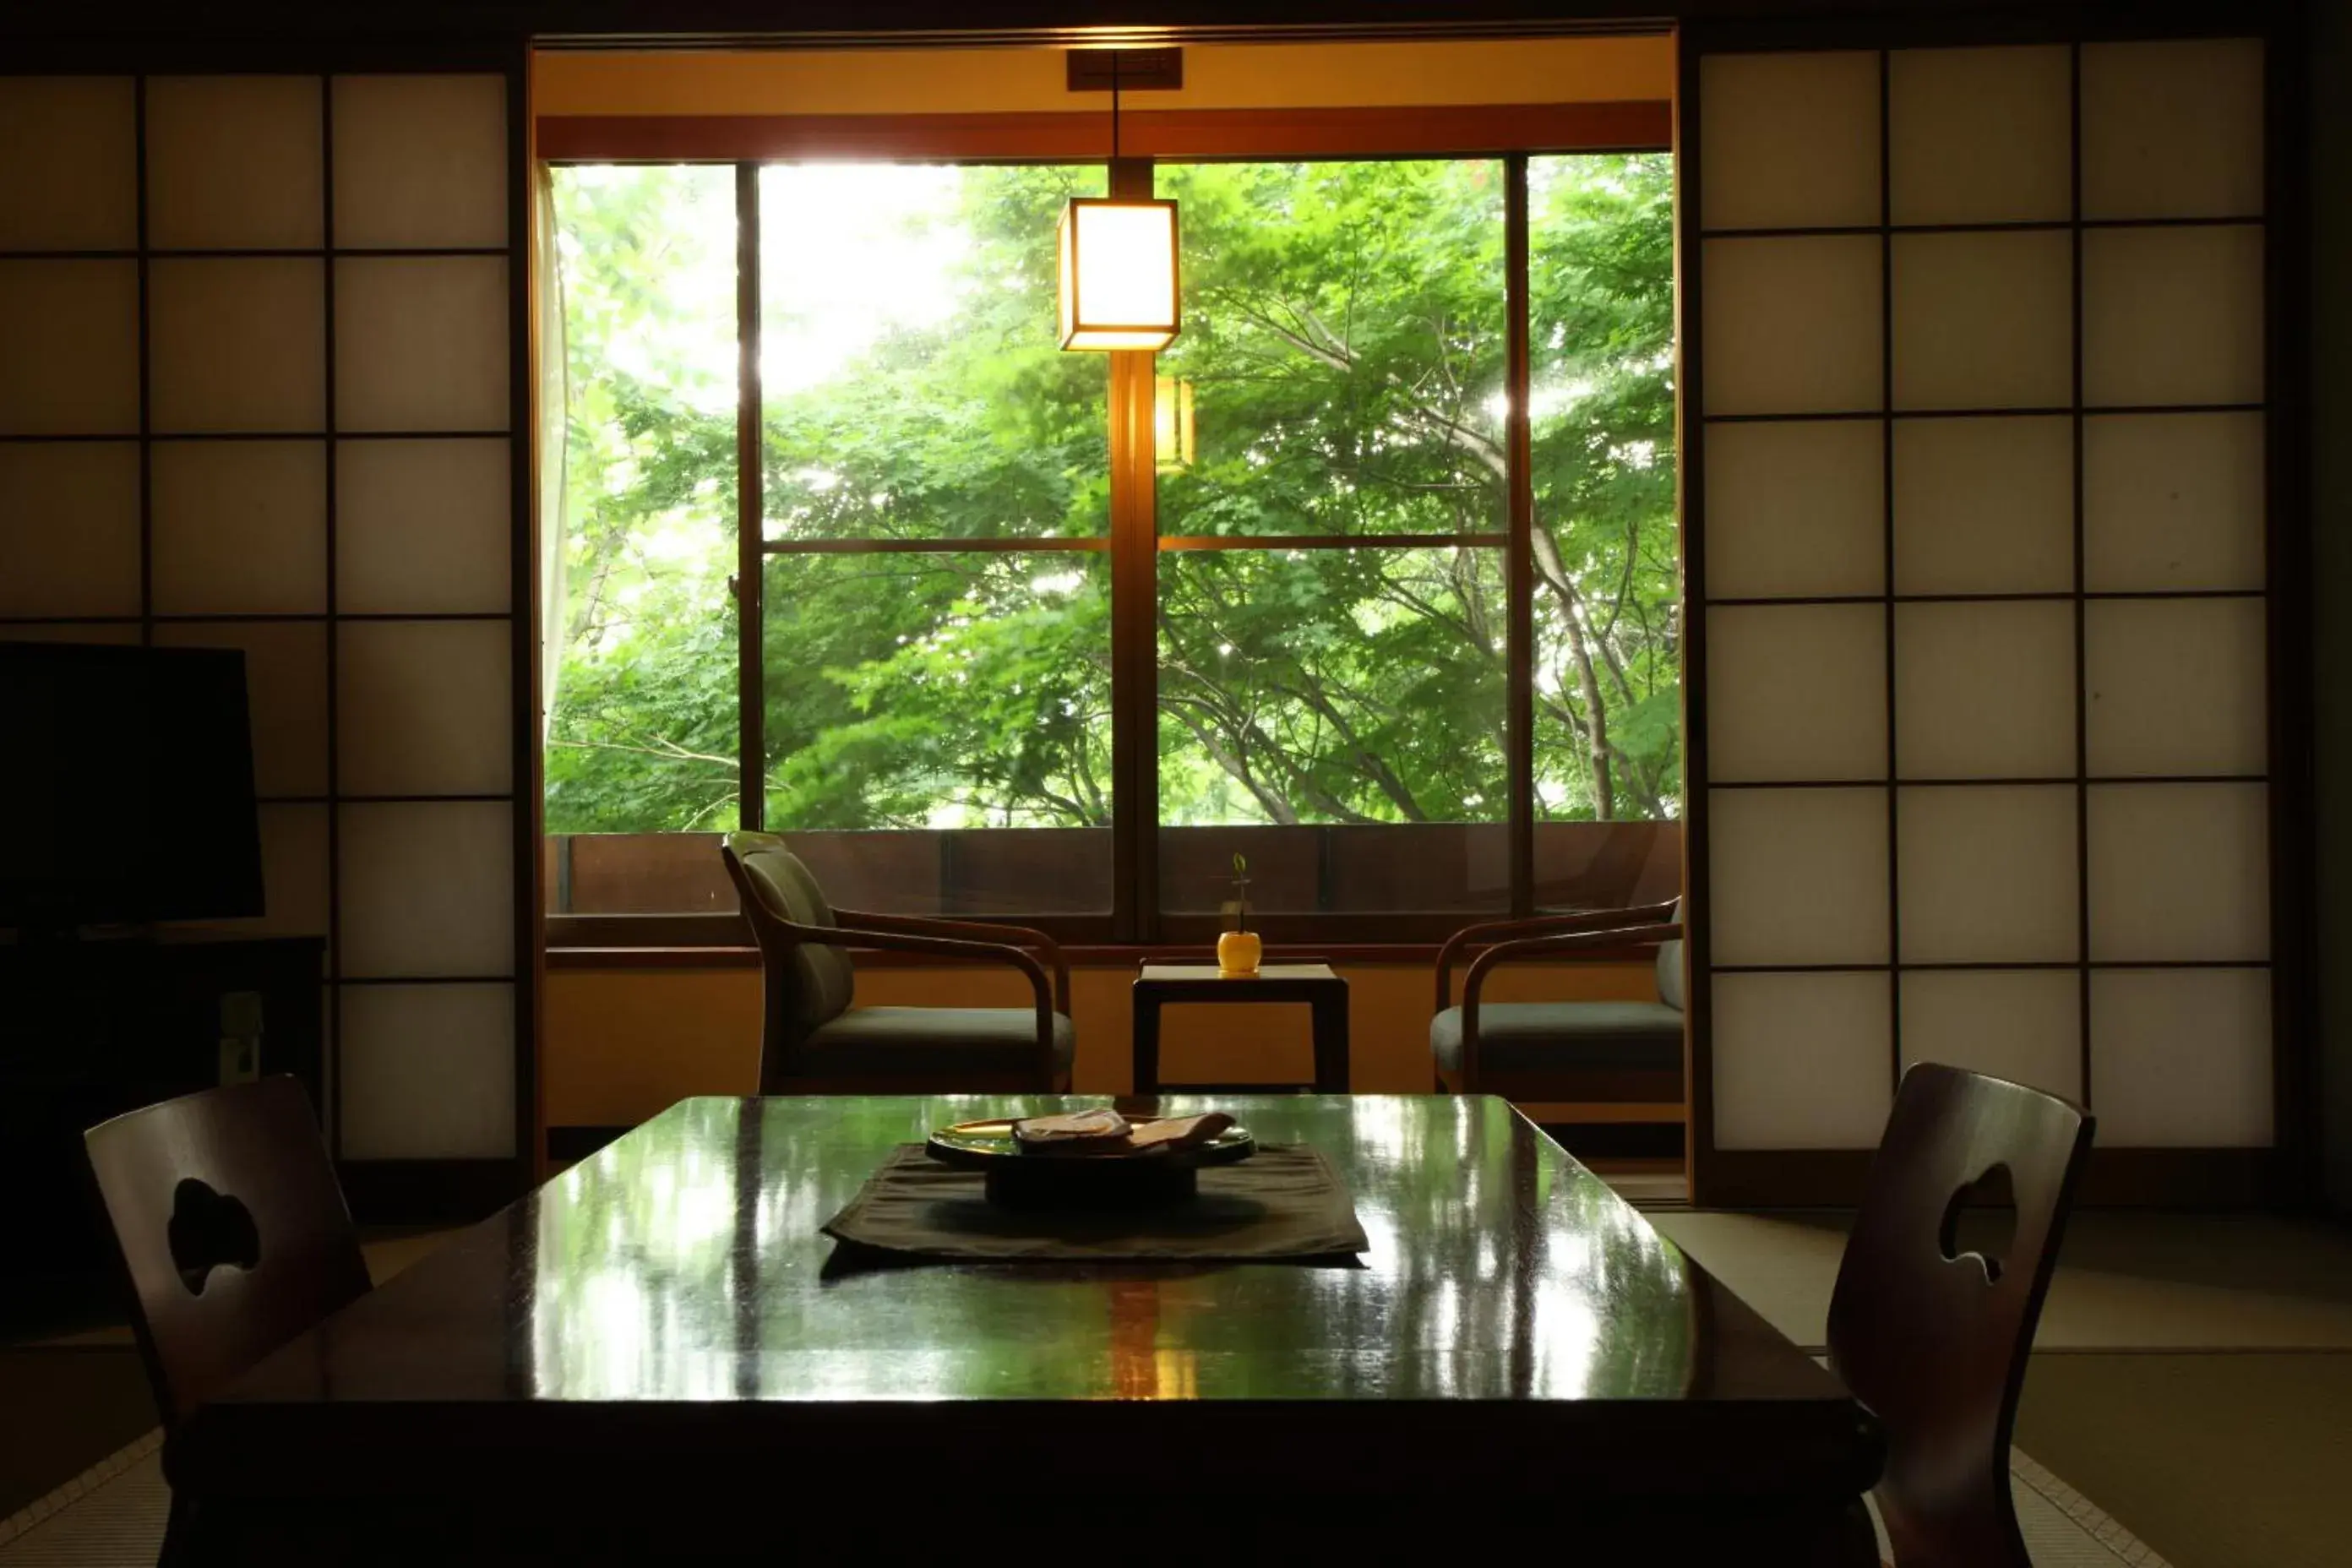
(126, 787)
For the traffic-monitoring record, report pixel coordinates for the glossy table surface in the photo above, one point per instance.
(674, 1296)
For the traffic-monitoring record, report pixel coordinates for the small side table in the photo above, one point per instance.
(1313, 984)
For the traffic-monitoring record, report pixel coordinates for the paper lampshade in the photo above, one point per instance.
(1119, 274)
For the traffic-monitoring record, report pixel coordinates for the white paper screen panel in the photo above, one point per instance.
(1798, 876)
(421, 343)
(1802, 1061)
(69, 173)
(1793, 325)
(2027, 534)
(1984, 689)
(1979, 135)
(2172, 502)
(1791, 139)
(1988, 875)
(2173, 129)
(2172, 316)
(1796, 691)
(2024, 1025)
(239, 527)
(234, 163)
(425, 708)
(428, 889)
(2176, 686)
(2179, 872)
(1983, 320)
(1984, 506)
(424, 519)
(68, 348)
(179, 465)
(420, 162)
(69, 529)
(2182, 1057)
(428, 1072)
(1798, 509)
(237, 345)
(424, 527)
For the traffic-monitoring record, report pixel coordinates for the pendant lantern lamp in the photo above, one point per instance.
(1117, 266)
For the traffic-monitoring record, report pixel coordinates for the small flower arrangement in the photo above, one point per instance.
(1238, 950)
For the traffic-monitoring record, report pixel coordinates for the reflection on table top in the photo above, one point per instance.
(684, 1263)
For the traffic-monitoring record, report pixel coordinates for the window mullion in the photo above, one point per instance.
(1135, 654)
(751, 570)
(1518, 575)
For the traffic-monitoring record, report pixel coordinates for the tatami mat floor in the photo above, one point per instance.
(2193, 1372)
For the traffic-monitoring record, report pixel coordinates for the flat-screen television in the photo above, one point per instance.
(126, 786)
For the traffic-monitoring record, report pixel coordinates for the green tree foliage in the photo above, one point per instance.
(1344, 340)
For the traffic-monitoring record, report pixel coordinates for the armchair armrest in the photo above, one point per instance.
(1012, 935)
(1537, 947)
(944, 947)
(1493, 932)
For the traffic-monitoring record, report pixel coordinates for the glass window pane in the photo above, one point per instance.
(938, 727)
(1309, 689)
(1342, 363)
(912, 383)
(642, 733)
(1608, 654)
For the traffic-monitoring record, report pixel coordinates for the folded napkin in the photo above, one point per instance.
(1105, 1131)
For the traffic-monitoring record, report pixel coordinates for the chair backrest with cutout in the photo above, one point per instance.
(1933, 1337)
(232, 1230)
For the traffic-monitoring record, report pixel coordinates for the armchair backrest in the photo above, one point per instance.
(807, 983)
(1670, 966)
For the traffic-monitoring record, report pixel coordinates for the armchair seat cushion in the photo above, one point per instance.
(930, 1042)
(1559, 1036)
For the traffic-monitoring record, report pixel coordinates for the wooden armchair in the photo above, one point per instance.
(1561, 1053)
(812, 1041)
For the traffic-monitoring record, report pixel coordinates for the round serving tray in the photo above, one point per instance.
(1019, 1177)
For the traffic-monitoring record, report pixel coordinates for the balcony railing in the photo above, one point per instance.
(1454, 871)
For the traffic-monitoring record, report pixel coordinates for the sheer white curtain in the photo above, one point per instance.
(554, 394)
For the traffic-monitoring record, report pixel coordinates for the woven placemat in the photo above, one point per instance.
(1285, 1202)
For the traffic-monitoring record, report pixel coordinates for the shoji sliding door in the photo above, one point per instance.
(260, 383)
(1982, 757)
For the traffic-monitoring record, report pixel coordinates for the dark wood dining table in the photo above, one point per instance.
(659, 1356)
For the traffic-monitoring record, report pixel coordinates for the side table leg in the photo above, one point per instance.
(1147, 1043)
(1332, 1043)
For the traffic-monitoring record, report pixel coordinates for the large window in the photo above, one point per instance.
(937, 705)
(1332, 594)
(940, 715)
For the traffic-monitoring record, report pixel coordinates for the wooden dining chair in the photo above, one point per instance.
(813, 1041)
(1933, 1337)
(233, 1236)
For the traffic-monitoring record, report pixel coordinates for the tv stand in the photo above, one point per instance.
(91, 1027)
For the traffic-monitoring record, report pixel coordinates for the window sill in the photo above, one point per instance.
(1081, 956)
